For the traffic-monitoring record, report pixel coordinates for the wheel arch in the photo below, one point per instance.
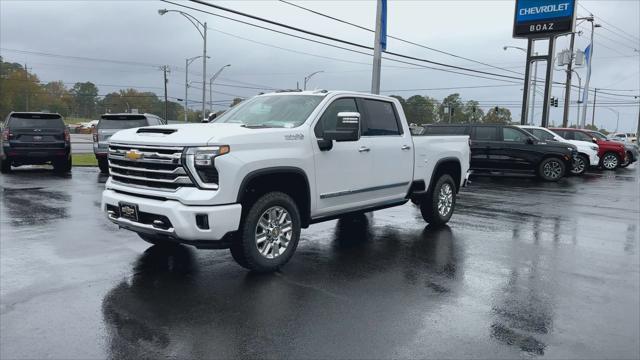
(448, 165)
(290, 180)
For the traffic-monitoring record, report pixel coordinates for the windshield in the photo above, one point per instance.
(285, 111)
(121, 124)
(598, 135)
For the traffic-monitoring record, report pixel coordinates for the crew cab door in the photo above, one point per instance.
(344, 171)
(484, 142)
(517, 152)
(391, 148)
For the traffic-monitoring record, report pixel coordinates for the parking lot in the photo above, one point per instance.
(524, 269)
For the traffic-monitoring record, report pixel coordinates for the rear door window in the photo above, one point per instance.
(381, 119)
(486, 133)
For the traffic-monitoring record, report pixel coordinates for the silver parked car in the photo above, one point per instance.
(109, 124)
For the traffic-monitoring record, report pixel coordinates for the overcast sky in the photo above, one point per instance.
(133, 32)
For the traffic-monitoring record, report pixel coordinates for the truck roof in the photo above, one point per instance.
(321, 92)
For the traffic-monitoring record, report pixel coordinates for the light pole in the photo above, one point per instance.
(308, 77)
(579, 97)
(203, 32)
(211, 84)
(588, 80)
(617, 114)
(186, 84)
(535, 79)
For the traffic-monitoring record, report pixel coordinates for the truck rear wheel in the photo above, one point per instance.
(268, 234)
(62, 165)
(103, 164)
(437, 208)
(5, 165)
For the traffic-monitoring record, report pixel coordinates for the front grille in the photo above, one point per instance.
(153, 167)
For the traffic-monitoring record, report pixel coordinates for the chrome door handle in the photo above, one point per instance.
(405, 147)
(364, 149)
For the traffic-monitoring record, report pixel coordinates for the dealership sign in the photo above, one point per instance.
(543, 18)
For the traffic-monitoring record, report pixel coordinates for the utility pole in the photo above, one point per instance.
(593, 115)
(165, 69)
(26, 77)
(567, 94)
(377, 49)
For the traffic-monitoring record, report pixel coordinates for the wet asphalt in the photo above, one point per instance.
(525, 269)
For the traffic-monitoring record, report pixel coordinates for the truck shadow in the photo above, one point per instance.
(174, 303)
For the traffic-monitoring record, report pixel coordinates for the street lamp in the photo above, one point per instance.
(186, 83)
(535, 79)
(579, 97)
(617, 114)
(308, 77)
(202, 30)
(211, 84)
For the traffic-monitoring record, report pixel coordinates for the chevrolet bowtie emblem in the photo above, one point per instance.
(133, 155)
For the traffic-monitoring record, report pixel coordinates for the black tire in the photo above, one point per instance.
(245, 249)
(5, 166)
(156, 240)
(62, 165)
(103, 164)
(580, 166)
(551, 169)
(610, 161)
(430, 207)
(627, 161)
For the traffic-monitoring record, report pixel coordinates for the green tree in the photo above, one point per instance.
(85, 98)
(19, 90)
(452, 103)
(497, 115)
(472, 112)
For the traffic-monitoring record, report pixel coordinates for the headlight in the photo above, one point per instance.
(571, 149)
(594, 148)
(200, 162)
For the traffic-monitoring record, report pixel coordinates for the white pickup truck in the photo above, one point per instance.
(273, 165)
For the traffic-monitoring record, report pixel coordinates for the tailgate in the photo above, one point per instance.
(40, 137)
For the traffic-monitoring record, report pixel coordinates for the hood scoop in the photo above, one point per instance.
(162, 131)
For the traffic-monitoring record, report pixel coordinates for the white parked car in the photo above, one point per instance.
(274, 164)
(627, 138)
(587, 151)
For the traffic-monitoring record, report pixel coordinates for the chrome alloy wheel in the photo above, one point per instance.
(445, 200)
(552, 170)
(579, 165)
(273, 232)
(610, 162)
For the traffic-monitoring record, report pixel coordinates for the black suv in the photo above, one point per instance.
(32, 138)
(506, 148)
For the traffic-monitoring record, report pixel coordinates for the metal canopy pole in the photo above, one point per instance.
(527, 74)
(548, 82)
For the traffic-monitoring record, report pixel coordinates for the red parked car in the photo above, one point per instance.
(611, 153)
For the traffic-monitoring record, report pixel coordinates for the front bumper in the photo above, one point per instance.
(182, 227)
(594, 159)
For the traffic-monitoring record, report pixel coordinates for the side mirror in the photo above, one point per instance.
(347, 129)
(530, 141)
(595, 141)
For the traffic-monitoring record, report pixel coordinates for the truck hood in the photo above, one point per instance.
(185, 134)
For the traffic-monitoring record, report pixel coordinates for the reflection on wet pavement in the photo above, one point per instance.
(524, 269)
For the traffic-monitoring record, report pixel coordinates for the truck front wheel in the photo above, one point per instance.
(268, 234)
(438, 207)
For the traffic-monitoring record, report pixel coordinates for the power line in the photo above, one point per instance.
(323, 36)
(635, 38)
(398, 38)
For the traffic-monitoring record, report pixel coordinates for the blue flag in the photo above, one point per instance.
(587, 54)
(383, 27)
